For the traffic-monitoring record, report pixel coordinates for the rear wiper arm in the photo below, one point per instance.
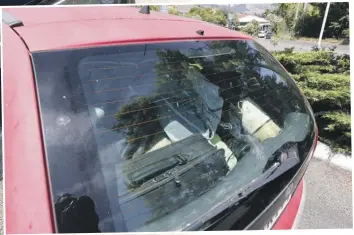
(259, 181)
(240, 194)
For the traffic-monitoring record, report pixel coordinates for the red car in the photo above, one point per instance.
(119, 119)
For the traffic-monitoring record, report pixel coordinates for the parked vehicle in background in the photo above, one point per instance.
(262, 34)
(121, 128)
(268, 35)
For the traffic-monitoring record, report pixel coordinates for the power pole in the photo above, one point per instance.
(304, 11)
(297, 11)
(323, 25)
(296, 14)
(230, 18)
(229, 24)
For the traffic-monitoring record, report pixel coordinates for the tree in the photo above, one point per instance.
(251, 28)
(286, 11)
(277, 24)
(310, 24)
(152, 8)
(173, 10)
(155, 8)
(236, 21)
(339, 27)
(208, 14)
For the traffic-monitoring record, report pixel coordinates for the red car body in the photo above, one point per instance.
(27, 187)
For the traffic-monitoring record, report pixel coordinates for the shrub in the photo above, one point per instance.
(325, 81)
(315, 61)
(289, 50)
(339, 128)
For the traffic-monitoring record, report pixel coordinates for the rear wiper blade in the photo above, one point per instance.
(286, 161)
(259, 181)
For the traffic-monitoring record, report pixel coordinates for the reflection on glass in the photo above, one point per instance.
(256, 121)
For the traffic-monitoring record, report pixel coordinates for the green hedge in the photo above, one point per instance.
(324, 78)
(315, 61)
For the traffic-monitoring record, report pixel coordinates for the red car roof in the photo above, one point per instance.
(49, 28)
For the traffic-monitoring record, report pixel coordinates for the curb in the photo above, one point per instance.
(324, 152)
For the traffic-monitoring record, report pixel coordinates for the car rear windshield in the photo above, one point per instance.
(159, 137)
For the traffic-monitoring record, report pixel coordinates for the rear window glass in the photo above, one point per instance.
(158, 137)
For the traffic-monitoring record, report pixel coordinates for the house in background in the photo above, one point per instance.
(246, 19)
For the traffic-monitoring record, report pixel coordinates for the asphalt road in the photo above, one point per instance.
(300, 45)
(328, 197)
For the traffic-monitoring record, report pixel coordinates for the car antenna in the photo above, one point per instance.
(200, 32)
(145, 10)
